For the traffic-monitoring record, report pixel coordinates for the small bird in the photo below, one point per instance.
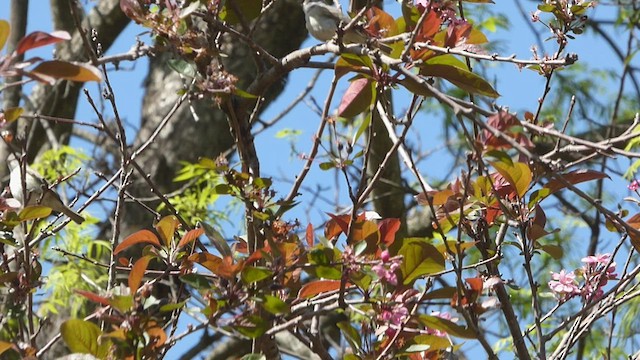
(323, 21)
(38, 191)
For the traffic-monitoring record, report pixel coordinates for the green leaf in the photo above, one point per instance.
(217, 240)
(426, 343)
(198, 281)
(448, 326)
(182, 67)
(352, 62)
(170, 307)
(258, 327)
(419, 258)
(122, 303)
(555, 251)
(81, 336)
(275, 305)
(351, 334)
(461, 78)
(248, 9)
(253, 274)
(254, 357)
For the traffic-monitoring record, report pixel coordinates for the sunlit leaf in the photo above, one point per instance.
(318, 287)
(12, 114)
(81, 336)
(253, 274)
(59, 69)
(419, 258)
(166, 227)
(34, 212)
(139, 237)
(40, 38)
(517, 174)
(190, 236)
(275, 305)
(465, 80)
(351, 62)
(555, 251)
(137, 273)
(5, 30)
(357, 98)
(451, 328)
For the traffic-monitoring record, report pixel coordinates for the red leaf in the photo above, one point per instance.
(40, 38)
(190, 236)
(93, 297)
(317, 287)
(137, 273)
(356, 99)
(142, 236)
(388, 229)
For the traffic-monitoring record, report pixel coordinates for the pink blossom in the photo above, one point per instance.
(634, 185)
(564, 284)
(386, 269)
(443, 315)
(423, 4)
(602, 259)
(596, 275)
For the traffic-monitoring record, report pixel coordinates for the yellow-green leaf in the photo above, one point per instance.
(34, 212)
(12, 114)
(517, 174)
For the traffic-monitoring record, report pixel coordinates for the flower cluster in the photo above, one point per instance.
(596, 272)
(634, 185)
(386, 269)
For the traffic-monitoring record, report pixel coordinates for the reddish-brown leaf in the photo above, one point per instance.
(337, 225)
(157, 336)
(190, 236)
(318, 287)
(309, 235)
(137, 273)
(93, 297)
(381, 24)
(40, 38)
(575, 177)
(59, 69)
(142, 236)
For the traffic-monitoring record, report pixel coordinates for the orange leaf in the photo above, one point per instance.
(59, 69)
(142, 236)
(309, 235)
(166, 227)
(317, 287)
(337, 225)
(190, 236)
(222, 267)
(41, 38)
(157, 336)
(137, 273)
